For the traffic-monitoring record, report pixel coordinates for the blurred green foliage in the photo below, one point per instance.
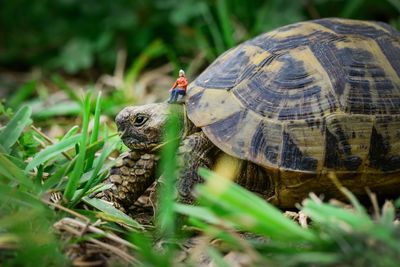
(73, 35)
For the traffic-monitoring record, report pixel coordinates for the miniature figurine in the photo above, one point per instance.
(179, 87)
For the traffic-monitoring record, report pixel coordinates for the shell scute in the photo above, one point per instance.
(308, 97)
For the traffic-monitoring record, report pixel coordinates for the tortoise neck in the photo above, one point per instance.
(188, 126)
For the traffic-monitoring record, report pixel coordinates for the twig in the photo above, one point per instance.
(48, 139)
(117, 251)
(58, 206)
(96, 230)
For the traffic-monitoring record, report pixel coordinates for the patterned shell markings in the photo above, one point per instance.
(310, 96)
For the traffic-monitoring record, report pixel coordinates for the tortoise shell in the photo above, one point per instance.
(308, 97)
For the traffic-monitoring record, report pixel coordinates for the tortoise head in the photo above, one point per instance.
(142, 127)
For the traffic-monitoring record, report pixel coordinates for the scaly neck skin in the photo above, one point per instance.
(187, 127)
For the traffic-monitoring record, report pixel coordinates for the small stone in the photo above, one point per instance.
(116, 179)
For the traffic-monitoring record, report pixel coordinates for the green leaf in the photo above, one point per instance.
(112, 213)
(95, 132)
(60, 82)
(93, 180)
(166, 216)
(197, 212)
(77, 172)
(18, 197)
(327, 214)
(23, 92)
(52, 151)
(13, 173)
(227, 29)
(60, 109)
(10, 134)
(74, 129)
(217, 257)
(248, 211)
(58, 175)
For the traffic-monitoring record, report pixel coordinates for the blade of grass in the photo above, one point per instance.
(197, 212)
(74, 129)
(325, 214)
(217, 257)
(215, 33)
(155, 49)
(22, 93)
(112, 213)
(52, 151)
(12, 131)
(13, 173)
(249, 211)
(396, 4)
(227, 29)
(56, 178)
(60, 82)
(350, 8)
(95, 131)
(18, 197)
(61, 109)
(86, 176)
(93, 180)
(166, 216)
(77, 172)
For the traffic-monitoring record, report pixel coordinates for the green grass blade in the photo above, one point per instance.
(166, 216)
(10, 134)
(248, 211)
(60, 82)
(197, 212)
(18, 197)
(60, 109)
(55, 179)
(350, 8)
(22, 93)
(217, 257)
(77, 172)
(227, 29)
(395, 4)
(86, 176)
(325, 214)
(93, 180)
(52, 151)
(95, 131)
(213, 28)
(14, 173)
(155, 49)
(112, 213)
(74, 130)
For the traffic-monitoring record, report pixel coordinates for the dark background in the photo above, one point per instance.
(77, 37)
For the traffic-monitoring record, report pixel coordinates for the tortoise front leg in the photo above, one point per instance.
(195, 151)
(132, 175)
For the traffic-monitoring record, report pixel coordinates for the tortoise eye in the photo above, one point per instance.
(140, 120)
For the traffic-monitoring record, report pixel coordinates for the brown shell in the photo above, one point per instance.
(309, 97)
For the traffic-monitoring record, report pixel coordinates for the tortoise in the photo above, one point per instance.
(292, 105)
